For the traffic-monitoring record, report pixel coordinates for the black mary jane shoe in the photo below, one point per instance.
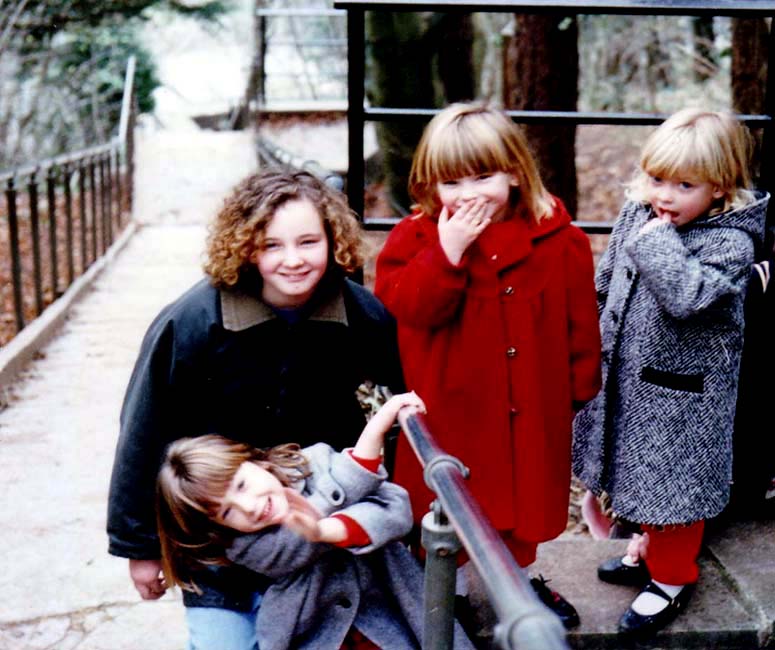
(562, 608)
(640, 626)
(616, 572)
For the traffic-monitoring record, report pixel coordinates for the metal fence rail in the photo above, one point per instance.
(523, 621)
(310, 65)
(63, 213)
(270, 153)
(358, 113)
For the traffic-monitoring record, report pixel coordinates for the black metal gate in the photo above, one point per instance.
(358, 114)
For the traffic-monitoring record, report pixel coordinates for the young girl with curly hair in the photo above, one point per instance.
(324, 525)
(269, 348)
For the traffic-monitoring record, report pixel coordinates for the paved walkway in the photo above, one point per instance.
(61, 591)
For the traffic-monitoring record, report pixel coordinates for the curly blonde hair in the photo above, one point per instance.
(237, 231)
(195, 475)
(467, 139)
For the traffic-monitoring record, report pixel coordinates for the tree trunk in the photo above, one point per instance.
(749, 80)
(749, 64)
(401, 78)
(541, 73)
(453, 39)
(705, 62)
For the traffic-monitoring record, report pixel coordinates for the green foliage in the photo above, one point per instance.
(95, 59)
(41, 21)
(62, 69)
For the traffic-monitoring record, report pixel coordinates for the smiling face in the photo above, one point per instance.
(681, 199)
(293, 255)
(254, 500)
(492, 188)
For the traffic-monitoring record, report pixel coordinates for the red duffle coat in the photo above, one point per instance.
(500, 347)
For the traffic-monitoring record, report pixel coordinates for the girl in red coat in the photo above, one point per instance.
(493, 292)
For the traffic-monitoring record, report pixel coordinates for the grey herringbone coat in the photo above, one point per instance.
(658, 436)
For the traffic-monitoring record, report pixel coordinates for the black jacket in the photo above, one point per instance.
(221, 361)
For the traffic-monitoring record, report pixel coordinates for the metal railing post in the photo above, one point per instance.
(82, 214)
(32, 193)
(104, 205)
(126, 131)
(441, 545)
(51, 198)
(523, 621)
(356, 69)
(46, 189)
(16, 263)
(92, 178)
(767, 166)
(67, 175)
(119, 189)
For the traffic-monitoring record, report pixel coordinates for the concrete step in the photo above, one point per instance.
(733, 607)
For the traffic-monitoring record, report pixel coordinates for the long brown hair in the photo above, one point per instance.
(194, 476)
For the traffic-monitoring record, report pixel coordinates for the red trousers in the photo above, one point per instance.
(356, 641)
(524, 552)
(672, 552)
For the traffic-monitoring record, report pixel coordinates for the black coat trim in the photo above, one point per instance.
(694, 383)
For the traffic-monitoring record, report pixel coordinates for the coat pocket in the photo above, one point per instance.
(694, 383)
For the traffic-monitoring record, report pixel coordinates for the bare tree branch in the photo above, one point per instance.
(5, 36)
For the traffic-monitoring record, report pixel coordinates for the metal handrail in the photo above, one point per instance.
(523, 621)
(273, 154)
(385, 114)
(100, 177)
(298, 13)
(126, 100)
(631, 7)
(57, 161)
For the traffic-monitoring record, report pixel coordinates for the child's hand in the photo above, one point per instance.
(304, 520)
(370, 443)
(302, 517)
(383, 419)
(303, 524)
(458, 231)
(299, 504)
(148, 578)
(410, 400)
(654, 222)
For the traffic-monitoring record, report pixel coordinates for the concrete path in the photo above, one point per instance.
(61, 590)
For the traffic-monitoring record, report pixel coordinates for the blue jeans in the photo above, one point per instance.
(211, 628)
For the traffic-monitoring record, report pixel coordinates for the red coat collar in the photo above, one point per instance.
(507, 242)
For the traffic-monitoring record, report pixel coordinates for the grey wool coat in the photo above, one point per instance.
(658, 436)
(321, 591)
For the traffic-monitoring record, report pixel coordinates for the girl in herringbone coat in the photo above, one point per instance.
(658, 437)
(322, 525)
